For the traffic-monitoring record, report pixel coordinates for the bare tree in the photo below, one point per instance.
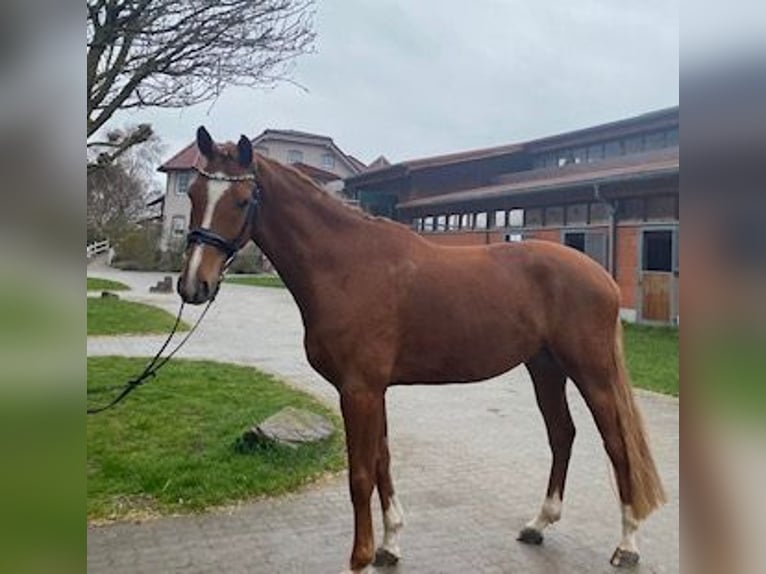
(117, 192)
(171, 53)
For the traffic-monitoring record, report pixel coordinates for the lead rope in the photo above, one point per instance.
(150, 371)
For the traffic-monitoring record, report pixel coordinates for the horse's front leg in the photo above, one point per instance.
(393, 517)
(363, 416)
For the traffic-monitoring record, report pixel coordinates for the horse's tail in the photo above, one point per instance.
(646, 488)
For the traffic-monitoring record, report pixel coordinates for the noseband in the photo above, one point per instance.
(206, 236)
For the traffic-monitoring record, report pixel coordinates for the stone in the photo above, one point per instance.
(164, 285)
(109, 295)
(289, 427)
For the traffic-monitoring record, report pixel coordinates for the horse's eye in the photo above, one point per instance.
(242, 203)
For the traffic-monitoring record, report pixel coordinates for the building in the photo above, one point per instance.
(610, 191)
(316, 156)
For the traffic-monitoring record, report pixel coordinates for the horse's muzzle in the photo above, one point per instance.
(199, 293)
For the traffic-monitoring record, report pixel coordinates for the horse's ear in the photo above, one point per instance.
(245, 150)
(204, 142)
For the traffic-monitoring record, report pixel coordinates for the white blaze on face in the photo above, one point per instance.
(549, 513)
(393, 520)
(629, 529)
(215, 191)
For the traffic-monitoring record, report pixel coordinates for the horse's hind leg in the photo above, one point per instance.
(393, 517)
(550, 389)
(599, 397)
(363, 416)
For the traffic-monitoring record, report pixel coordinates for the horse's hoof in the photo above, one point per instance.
(530, 536)
(384, 558)
(624, 558)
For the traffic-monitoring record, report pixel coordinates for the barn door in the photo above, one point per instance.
(659, 275)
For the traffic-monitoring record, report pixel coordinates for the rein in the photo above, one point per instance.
(157, 362)
(198, 236)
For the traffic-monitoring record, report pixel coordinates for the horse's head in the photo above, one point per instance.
(224, 201)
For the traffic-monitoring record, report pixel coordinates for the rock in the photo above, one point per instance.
(163, 286)
(289, 427)
(109, 295)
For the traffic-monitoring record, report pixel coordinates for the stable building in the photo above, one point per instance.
(610, 191)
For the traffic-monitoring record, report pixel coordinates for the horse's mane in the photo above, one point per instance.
(310, 183)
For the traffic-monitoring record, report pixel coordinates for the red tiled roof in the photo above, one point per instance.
(184, 159)
(188, 156)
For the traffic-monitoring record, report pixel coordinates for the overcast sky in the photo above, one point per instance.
(410, 79)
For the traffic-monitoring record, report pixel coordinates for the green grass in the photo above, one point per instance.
(116, 317)
(256, 280)
(96, 284)
(652, 356)
(170, 446)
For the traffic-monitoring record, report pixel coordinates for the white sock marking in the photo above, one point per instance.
(629, 529)
(393, 520)
(215, 191)
(549, 513)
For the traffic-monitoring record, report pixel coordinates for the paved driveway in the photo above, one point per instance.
(470, 464)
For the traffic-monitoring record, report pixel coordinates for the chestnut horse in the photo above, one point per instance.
(383, 306)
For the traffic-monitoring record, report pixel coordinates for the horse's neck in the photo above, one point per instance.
(307, 235)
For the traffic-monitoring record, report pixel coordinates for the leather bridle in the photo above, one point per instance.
(206, 236)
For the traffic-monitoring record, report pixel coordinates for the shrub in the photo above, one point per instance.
(137, 249)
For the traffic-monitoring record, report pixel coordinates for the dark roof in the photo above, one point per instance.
(624, 168)
(667, 116)
(657, 119)
(392, 171)
(378, 163)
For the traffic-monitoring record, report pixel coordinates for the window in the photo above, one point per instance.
(328, 160)
(592, 243)
(417, 224)
(599, 213)
(516, 218)
(613, 149)
(454, 221)
(533, 217)
(183, 179)
(575, 240)
(513, 237)
(634, 144)
(294, 156)
(631, 210)
(500, 218)
(465, 221)
(178, 226)
(481, 220)
(441, 223)
(554, 216)
(663, 208)
(595, 152)
(658, 251)
(428, 224)
(577, 214)
(654, 141)
(580, 155)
